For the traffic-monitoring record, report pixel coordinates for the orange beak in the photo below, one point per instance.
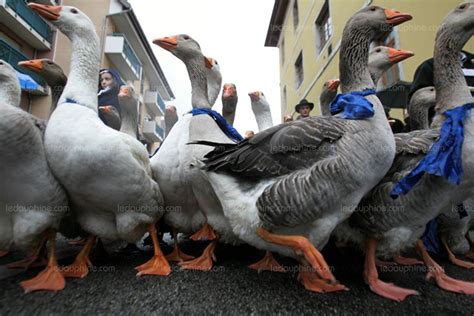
(395, 17)
(333, 84)
(35, 65)
(49, 12)
(169, 43)
(397, 55)
(124, 92)
(254, 96)
(209, 62)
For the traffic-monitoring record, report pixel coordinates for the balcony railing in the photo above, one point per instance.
(130, 53)
(12, 56)
(161, 103)
(159, 131)
(36, 22)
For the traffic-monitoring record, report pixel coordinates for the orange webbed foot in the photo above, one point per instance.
(454, 260)
(158, 265)
(312, 282)
(205, 233)
(267, 263)
(204, 262)
(80, 267)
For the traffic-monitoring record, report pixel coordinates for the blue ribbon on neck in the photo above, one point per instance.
(444, 158)
(353, 105)
(220, 121)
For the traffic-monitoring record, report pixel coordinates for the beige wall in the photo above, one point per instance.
(416, 35)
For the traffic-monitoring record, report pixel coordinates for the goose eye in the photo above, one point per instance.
(373, 8)
(74, 11)
(378, 50)
(462, 6)
(1, 63)
(186, 37)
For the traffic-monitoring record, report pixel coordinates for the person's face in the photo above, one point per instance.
(304, 110)
(106, 80)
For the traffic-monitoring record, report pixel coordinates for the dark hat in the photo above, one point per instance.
(304, 102)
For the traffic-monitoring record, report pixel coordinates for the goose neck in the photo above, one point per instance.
(10, 92)
(197, 75)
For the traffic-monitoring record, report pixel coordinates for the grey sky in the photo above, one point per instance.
(232, 32)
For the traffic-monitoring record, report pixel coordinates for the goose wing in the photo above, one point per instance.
(280, 150)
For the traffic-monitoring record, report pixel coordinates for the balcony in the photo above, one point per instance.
(154, 103)
(152, 131)
(25, 23)
(13, 56)
(122, 55)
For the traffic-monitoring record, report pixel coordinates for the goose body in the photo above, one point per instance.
(322, 164)
(106, 173)
(183, 185)
(32, 202)
(402, 221)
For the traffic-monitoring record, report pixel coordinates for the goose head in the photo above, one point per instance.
(214, 79)
(378, 20)
(328, 94)
(421, 108)
(10, 91)
(188, 50)
(68, 19)
(256, 96)
(261, 110)
(381, 58)
(171, 110)
(182, 46)
(51, 72)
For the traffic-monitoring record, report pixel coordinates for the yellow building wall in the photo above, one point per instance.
(416, 35)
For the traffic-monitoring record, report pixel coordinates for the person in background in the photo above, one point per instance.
(288, 118)
(304, 108)
(108, 90)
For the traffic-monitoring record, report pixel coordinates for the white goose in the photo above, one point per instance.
(185, 186)
(106, 173)
(301, 179)
(31, 200)
(261, 110)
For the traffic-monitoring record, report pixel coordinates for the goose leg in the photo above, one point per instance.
(371, 276)
(177, 255)
(204, 262)
(77, 242)
(50, 278)
(3, 253)
(158, 264)
(30, 258)
(268, 263)
(442, 280)
(319, 269)
(205, 233)
(80, 267)
(470, 254)
(454, 260)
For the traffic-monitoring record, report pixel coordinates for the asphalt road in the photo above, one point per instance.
(231, 288)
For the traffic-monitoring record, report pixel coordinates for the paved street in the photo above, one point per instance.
(230, 289)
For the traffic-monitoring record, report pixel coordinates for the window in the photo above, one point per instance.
(299, 75)
(323, 27)
(295, 15)
(282, 51)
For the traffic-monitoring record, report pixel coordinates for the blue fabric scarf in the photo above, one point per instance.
(353, 105)
(444, 157)
(221, 122)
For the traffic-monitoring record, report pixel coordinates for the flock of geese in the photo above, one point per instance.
(287, 190)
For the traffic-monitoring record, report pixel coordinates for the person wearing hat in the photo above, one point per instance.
(304, 108)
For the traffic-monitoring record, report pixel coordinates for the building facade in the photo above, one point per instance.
(308, 34)
(24, 35)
